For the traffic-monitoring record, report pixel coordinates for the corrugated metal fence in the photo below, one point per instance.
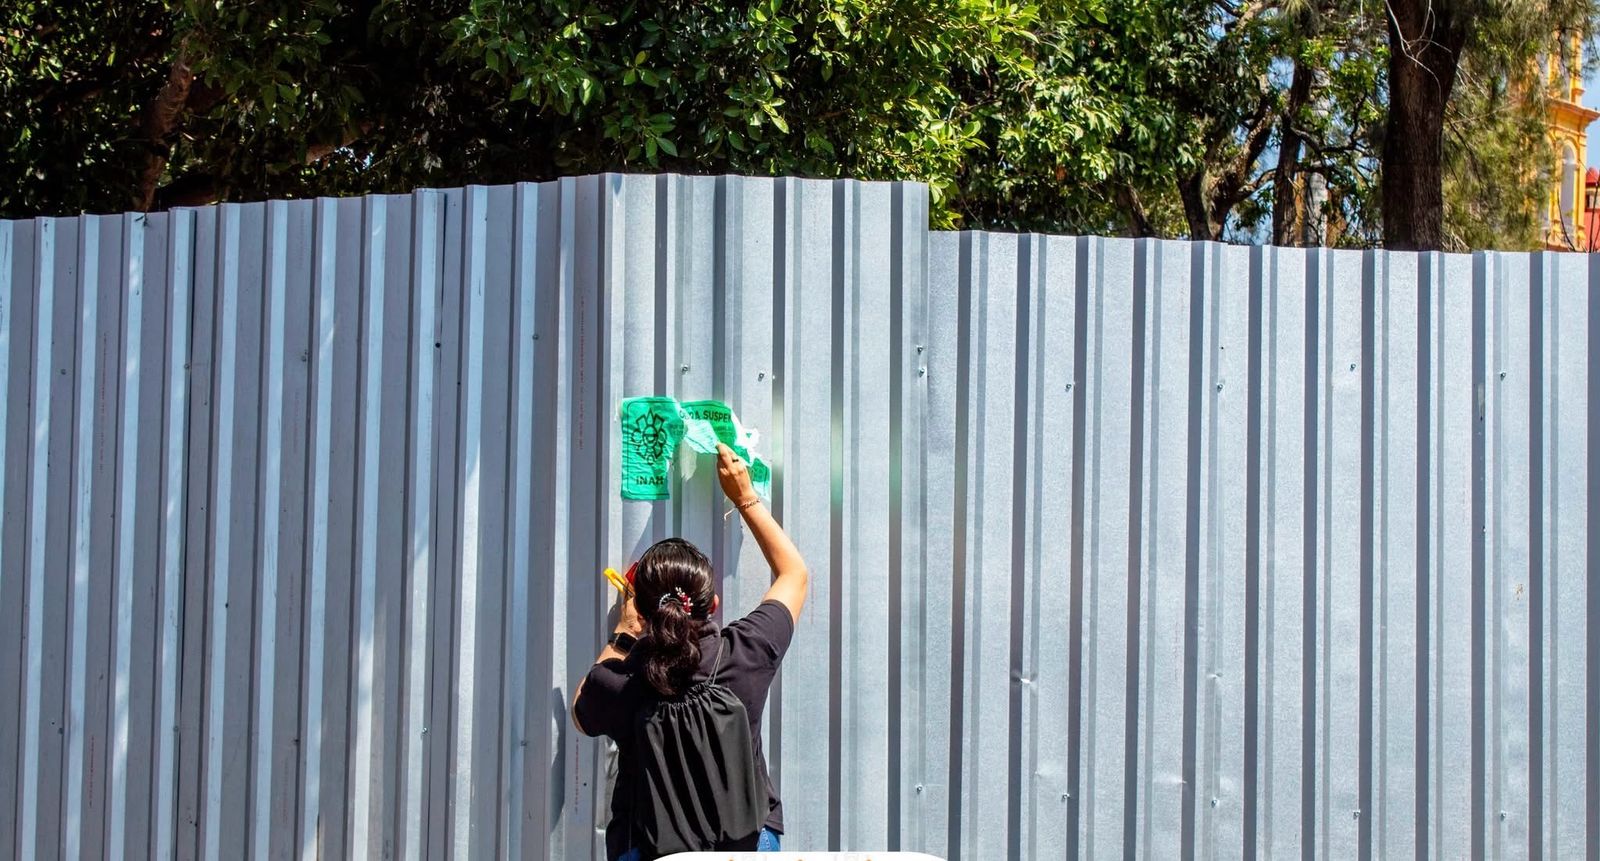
(1120, 548)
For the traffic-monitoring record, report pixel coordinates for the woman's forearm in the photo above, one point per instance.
(789, 577)
(781, 554)
(627, 623)
(790, 580)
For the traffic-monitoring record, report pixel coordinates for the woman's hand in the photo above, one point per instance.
(734, 477)
(628, 621)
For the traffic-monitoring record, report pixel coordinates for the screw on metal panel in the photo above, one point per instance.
(920, 348)
(1069, 387)
(1352, 366)
(424, 730)
(919, 787)
(1502, 815)
(761, 375)
(922, 372)
(536, 336)
(1355, 814)
(1502, 375)
(1219, 387)
(684, 369)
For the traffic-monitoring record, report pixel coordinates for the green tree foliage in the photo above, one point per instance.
(138, 104)
(105, 102)
(71, 82)
(843, 88)
(1261, 120)
(1497, 165)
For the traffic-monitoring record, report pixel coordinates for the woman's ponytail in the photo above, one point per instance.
(673, 592)
(674, 646)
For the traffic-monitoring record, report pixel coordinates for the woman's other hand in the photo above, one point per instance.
(628, 621)
(734, 476)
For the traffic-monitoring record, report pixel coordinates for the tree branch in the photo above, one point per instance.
(159, 124)
(1250, 188)
(318, 151)
(1287, 206)
(1243, 13)
(189, 190)
(1325, 149)
(1231, 186)
(1138, 217)
(1255, 141)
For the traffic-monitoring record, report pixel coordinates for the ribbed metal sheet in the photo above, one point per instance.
(1119, 547)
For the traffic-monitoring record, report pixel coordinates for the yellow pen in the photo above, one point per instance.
(616, 580)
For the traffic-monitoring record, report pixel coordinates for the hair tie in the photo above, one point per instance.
(677, 594)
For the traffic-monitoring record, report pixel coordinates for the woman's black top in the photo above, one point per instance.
(617, 688)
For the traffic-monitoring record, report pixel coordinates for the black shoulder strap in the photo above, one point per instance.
(717, 664)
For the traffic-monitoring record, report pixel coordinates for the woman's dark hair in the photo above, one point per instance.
(673, 591)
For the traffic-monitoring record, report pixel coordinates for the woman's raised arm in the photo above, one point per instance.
(790, 581)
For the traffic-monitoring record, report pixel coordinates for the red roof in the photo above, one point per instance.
(1591, 176)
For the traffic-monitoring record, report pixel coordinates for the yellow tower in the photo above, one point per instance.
(1568, 120)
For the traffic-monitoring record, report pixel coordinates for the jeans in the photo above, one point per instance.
(767, 842)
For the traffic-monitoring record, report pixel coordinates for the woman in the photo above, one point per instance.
(667, 650)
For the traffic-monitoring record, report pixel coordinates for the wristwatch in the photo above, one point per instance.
(623, 642)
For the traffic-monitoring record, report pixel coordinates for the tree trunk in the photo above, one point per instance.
(159, 122)
(1196, 196)
(1138, 219)
(1287, 208)
(1425, 42)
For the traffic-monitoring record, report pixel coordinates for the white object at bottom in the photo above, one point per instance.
(800, 856)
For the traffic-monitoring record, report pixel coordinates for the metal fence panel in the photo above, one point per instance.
(1119, 547)
(1566, 575)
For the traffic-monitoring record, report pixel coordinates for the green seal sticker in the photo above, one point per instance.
(651, 431)
(654, 428)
